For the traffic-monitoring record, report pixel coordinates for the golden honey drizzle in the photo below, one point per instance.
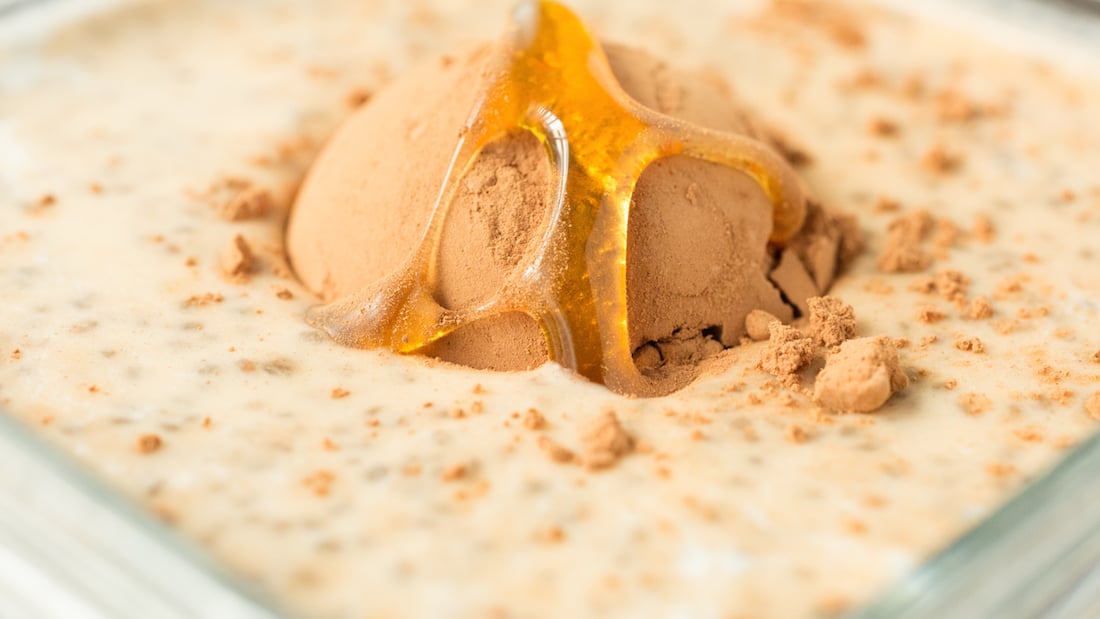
(553, 80)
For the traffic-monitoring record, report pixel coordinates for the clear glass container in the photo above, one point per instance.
(72, 547)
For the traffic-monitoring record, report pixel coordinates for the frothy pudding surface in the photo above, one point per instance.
(154, 330)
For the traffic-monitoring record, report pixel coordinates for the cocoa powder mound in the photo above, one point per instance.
(698, 257)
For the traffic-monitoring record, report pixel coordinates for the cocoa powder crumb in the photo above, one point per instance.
(1028, 435)
(902, 252)
(149, 443)
(44, 202)
(980, 308)
(983, 229)
(550, 535)
(283, 293)
(534, 420)
(832, 321)
(796, 434)
(1060, 396)
(903, 258)
(882, 127)
(788, 351)
(555, 451)
(928, 314)
(237, 199)
(454, 472)
(953, 106)
(863, 79)
(357, 98)
(860, 376)
(16, 354)
(840, 25)
(951, 284)
(1092, 405)
(319, 482)
(913, 86)
(238, 263)
(886, 205)
(756, 324)
(939, 160)
(974, 403)
(970, 344)
(605, 441)
(999, 469)
(339, 393)
(1095, 358)
(950, 384)
(200, 300)
(1010, 285)
(855, 526)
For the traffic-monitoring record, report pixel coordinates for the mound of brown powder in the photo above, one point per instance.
(698, 258)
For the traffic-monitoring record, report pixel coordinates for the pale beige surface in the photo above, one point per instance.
(338, 506)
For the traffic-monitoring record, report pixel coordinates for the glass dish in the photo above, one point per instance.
(71, 547)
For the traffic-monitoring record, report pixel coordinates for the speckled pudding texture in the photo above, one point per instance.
(139, 336)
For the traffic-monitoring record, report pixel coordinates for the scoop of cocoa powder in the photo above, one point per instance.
(698, 258)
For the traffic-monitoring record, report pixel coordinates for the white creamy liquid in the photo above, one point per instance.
(338, 506)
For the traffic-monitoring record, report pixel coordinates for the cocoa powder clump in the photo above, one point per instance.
(757, 324)
(860, 376)
(788, 351)
(832, 321)
(605, 441)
